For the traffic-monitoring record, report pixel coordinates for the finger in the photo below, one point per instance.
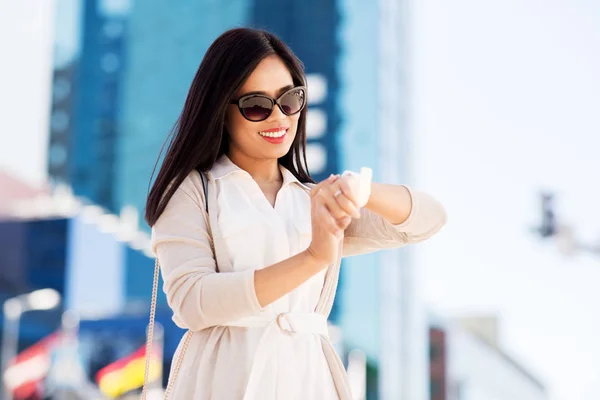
(343, 223)
(348, 189)
(315, 190)
(326, 196)
(329, 223)
(347, 205)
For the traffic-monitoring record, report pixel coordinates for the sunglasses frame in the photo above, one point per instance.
(273, 101)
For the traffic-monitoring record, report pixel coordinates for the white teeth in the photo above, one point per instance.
(273, 134)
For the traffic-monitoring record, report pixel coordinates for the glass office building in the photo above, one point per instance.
(23, 270)
(166, 43)
(88, 61)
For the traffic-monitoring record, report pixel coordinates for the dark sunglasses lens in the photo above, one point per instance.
(256, 108)
(293, 101)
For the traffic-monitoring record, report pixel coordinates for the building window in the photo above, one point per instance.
(112, 29)
(316, 123)
(316, 157)
(317, 88)
(114, 8)
(110, 62)
(57, 155)
(59, 122)
(61, 89)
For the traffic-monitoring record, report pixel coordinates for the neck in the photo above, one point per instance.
(261, 170)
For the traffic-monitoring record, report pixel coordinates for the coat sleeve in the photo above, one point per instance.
(199, 296)
(372, 232)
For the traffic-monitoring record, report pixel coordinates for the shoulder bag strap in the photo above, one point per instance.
(150, 334)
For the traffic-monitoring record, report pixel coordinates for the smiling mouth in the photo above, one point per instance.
(273, 134)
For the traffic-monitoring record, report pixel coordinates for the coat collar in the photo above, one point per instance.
(224, 167)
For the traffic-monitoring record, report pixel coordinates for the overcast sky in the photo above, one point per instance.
(507, 102)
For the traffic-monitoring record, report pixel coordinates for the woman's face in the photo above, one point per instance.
(271, 138)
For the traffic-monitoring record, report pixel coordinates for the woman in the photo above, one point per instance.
(251, 269)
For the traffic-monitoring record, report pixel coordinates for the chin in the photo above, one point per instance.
(277, 153)
(276, 150)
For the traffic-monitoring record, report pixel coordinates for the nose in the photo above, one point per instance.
(277, 114)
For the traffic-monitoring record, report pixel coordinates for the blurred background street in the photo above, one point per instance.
(492, 106)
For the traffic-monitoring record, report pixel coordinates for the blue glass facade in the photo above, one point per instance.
(166, 42)
(359, 146)
(86, 100)
(100, 67)
(90, 146)
(382, 312)
(33, 257)
(67, 47)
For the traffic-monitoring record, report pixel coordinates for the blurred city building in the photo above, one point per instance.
(121, 74)
(98, 265)
(467, 363)
(86, 90)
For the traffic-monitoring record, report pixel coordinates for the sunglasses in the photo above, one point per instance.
(258, 107)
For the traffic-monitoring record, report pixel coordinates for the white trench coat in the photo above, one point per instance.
(239, 350)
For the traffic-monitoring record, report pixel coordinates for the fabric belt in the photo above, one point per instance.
(292, 324)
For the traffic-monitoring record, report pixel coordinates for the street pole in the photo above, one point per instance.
(66, 373)
(357, 374)
(159, 342)
(43, 299)
(10, 338)
(563, 235)
(155, 388)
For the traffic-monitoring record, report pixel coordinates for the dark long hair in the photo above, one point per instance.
(199, 136)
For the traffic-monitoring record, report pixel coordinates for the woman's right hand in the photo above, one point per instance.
(331, 213)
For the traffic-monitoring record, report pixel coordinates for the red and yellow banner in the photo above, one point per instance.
(127, 373)
(25, 374)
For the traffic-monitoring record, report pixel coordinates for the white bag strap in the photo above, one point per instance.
(186, 341)
(188, 334)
